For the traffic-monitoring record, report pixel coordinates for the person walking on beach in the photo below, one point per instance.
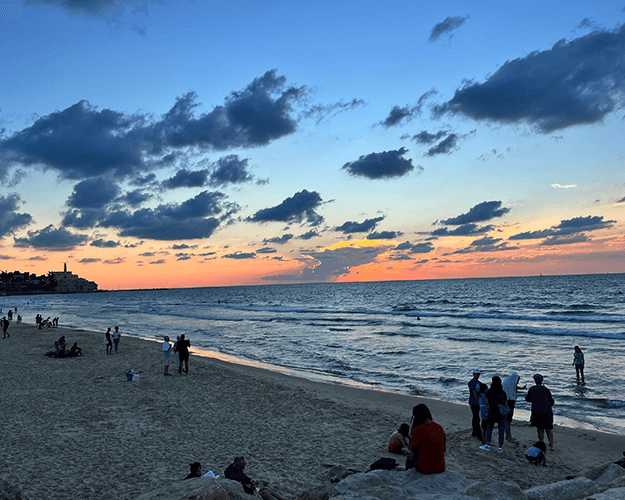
(116, 337)
(428, 442)
(542, 409)
(183, 354)
(108, 341)
(578, 363)
(5, 327)
(511, 386)
(474, 403)
(166, 353)
(497, 412)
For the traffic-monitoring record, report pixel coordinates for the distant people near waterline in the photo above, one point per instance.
(176, 350)
(542, 409)
(5, 327)
(536, 454)
(497, 412)
(511, 386)
(116, 337)
(428, 442)
(108, 341)
(183, 354)
(578, 363)
(196, 470)
(399, 442)
(474, 403)
(19, 319)
(10, 315)
(166, 354)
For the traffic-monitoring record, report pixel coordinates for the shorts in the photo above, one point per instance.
(542, 421)
(166, 356)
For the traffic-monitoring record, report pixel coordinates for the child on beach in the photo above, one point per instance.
(535, 454)
(398, 442)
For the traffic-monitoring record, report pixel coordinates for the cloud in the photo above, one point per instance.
(10, 219)
(424, 137)
(484, 211)
(83, 219)
(81, 141)
(309, 235)
(239, 255)
(447, 27)
(298, 208)
(230, 170)
(385, 165)
(89, 261)
(266, 250)
(279, 240)
(448, 145)
(564, 186)
(187, 178)
(93, 193)
(192, 219)
(359, 227)
(159, 261)
(50, 238)
(566, 228)
(486, 244)
(94, 8)
(100, 243)
(384, 235)
(402, 115)
(565, 240)
(469, 229)
(416, 248)
(136, 197)
(326, 112)
(331, 264)
(622, 200)
(574, 83)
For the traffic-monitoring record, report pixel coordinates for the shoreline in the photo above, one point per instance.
(77, 428)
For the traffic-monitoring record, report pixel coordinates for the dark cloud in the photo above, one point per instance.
(187, 178)
(159, 261)
(309, 235)
(573, 83)
(383, 165)
(93, 193)
(279, 240)
(416, 248)
(100, 243)
(117, 260)
(10, 219)
(239, 255)
(384, 235)
(144, 180)
(486, 244)
(565, 240)
(322, 112)
(402, 115)
(359, 227)
(622, 200)
(567, 228)
(83, 219)
(463, 230)
(184, 256)
(298, 208)
(230, 170)
(424, 137)
(484, 211)
(136, 197)
(182, 246)
(81, 141)
(50, 238)
(447, 27)
(95, 8)
(192, 219)
(331, 264)
(266, 250)
(89, 261)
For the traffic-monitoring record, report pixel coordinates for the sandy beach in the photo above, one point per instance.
(76, 428)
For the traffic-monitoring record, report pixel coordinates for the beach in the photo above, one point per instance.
(77, 428)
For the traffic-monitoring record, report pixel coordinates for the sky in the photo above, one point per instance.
(179, 143)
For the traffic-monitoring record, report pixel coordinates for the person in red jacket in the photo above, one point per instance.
(428, 442)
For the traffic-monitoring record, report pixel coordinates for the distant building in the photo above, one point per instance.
(17, 283)
(67, 282)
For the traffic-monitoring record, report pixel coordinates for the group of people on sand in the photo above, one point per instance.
(54, 323)
(112, 338)
(181, 348)
(234, 472)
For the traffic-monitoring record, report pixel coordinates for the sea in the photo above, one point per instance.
(413, 337)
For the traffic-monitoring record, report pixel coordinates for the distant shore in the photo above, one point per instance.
(76, 428)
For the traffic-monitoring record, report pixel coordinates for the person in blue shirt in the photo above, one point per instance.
(474, 403)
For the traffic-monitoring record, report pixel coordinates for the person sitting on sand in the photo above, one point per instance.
(235, 472)
(75, 350)
(542, 411)
(535, 454)
(428, 442)
(399, 443)
(196, 470)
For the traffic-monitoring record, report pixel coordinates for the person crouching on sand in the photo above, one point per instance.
(398, 443)
(535, 454)
(428, 442)
(166, 355)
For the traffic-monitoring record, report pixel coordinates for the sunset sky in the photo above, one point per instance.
(181, 143)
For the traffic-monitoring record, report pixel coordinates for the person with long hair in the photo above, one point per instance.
(578, 363)
(428, 442)
(498, 411)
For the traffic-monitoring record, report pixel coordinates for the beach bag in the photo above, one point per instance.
(503, 410)
(383, 464)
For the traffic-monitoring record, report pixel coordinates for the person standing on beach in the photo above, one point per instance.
(511, 386)
(497, 412)
(578, 363)
(166, 353)
(5, 327)
(183, 354)
(108, 341)
(116, 337)
(474, 403)
(542, 409)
